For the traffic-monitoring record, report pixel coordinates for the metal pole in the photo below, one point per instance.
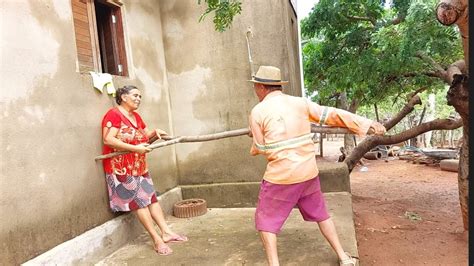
(249, 32)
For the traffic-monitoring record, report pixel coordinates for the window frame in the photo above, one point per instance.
(92, 37)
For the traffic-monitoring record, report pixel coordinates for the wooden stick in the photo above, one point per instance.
(226, 134)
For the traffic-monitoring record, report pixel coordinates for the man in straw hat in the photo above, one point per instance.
(281, 130)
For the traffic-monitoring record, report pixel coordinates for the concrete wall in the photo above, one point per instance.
(51, 189)
(208, 73)
(193, 81)
(334, 177)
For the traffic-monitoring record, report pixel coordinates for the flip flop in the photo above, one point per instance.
(352, 260)
(163, 250)
(177, 238)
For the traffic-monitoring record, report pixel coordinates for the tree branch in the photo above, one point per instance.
(369, 143)
(430, 60)
(371, 20)
(399, 19)
(437, 124)
(422, 89)
(226, 134)
(408, 108)
(392, 78)
(354, 105)
(458, 67)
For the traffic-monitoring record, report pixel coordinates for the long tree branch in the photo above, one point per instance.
(418, 91)
(399, 19)
(408, 108)
(392, 78)
(220, 135)
(458, 67)
(430, 60)
(437, 124)
(371, 20)
(369, 143)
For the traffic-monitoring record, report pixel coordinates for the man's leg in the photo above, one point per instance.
(275, 203)
(269, 241)
(313, 208)
(146, 220)
(328, 230)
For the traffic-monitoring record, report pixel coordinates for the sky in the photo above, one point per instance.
(304, 7)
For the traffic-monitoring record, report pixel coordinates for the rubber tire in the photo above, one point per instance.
(190, 208)
(451, 165)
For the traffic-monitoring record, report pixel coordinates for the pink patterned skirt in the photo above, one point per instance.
(129, 193)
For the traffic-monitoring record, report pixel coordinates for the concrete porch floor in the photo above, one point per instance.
(226, 236)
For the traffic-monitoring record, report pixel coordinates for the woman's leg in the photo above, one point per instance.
(166, 233)
(146, 220)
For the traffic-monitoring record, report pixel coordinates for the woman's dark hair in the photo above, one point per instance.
(123, 90)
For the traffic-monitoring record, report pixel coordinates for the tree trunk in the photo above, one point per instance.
(349, 142)
(450, 12)
(430, 115)
(458, 97)
(420, 139)
(376, 112)
(457, 12)
(463, 178)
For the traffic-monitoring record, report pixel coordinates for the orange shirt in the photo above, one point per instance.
(281, 130)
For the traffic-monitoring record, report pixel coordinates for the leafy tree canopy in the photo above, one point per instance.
(225, 10)
(371, 50)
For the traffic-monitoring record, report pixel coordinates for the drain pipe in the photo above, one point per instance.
(247, 34)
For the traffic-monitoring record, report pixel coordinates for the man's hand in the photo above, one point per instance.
(142, 148)
(250, 133)
(376, 129)
(160, 133)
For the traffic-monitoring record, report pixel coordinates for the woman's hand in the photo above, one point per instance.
(376, 128)
(141, 148)
(160, 133)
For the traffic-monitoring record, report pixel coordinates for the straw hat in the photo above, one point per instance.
(268, 75)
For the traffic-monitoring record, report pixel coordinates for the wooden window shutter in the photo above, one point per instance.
(111, 40)
(84, 29)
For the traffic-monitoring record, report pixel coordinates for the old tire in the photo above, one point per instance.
(449, 165)
(189, 208)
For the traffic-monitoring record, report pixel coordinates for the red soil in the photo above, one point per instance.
(405, 214)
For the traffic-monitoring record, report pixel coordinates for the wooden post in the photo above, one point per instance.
(321, 138)
(376, 112)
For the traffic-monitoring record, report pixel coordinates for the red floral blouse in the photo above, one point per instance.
(130, 164)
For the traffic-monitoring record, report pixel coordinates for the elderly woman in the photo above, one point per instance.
(129, 183)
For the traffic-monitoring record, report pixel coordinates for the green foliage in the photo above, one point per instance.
(370, 51)
(225, 11)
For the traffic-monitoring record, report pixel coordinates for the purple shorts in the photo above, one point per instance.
(276, 201)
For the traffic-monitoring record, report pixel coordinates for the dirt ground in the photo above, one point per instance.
(405, 214)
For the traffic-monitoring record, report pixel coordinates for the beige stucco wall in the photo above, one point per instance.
(193, 81)
(51, 189)
(207, 73)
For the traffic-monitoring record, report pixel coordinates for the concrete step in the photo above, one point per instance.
(226, 236)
